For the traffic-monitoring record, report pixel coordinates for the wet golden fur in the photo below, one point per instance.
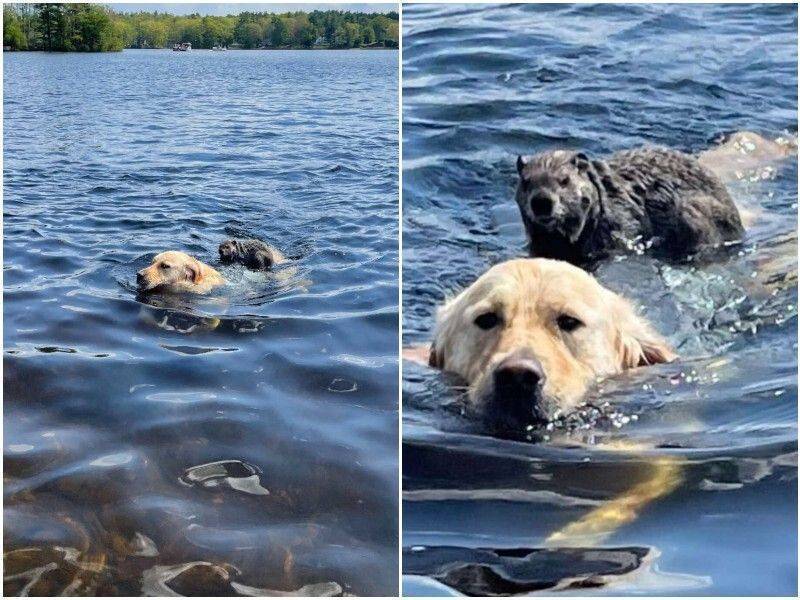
(178, 272)
(529, 296)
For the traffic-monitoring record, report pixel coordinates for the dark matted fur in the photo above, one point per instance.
(253, 254)
(579, 209)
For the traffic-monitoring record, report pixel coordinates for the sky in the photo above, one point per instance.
(235, 9)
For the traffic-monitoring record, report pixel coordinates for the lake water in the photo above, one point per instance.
(231, 444)
(694, 463)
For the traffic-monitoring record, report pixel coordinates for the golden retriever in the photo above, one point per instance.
(531, 335)
(177, 272)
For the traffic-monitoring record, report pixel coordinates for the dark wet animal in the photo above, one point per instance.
(253, 254)
(580, 209)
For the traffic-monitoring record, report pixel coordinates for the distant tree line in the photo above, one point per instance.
(95, 28)
(62, 27)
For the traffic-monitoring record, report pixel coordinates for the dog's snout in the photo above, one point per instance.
(542, 204)
(139, 277)
(518, 376)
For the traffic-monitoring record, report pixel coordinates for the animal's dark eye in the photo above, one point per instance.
(564, 181)
(487, 320)
(165, 266)
(568, 323)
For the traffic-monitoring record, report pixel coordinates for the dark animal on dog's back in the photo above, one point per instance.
(579, 209)
(253, 254)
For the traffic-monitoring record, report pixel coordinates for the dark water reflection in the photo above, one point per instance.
(230, 444)
(694, 462)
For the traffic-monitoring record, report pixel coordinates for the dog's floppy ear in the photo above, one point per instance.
(637, 344)
(194, 271)
(643, 351)
(442, 333)
(435, 358)
(521, 164)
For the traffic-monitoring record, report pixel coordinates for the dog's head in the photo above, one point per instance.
(531, 335)
(559, 191)
(171, 271)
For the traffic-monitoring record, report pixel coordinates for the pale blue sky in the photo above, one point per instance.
(236, 8)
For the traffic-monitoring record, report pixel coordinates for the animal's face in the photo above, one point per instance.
(250, 253)
(556, 191)
(170, 270)
(531, 335)
(228, 251)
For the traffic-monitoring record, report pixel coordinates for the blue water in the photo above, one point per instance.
(114, 404)
(483, 83)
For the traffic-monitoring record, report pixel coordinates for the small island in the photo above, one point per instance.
(97, 28)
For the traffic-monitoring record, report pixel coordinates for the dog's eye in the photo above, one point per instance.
(568, 323)
(487, 320)
(166, 266)
(564, 181)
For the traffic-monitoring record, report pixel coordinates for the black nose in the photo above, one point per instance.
(139, 278)
(542, 205)
(518, 377)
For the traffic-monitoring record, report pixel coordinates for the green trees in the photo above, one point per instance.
(249, 35)
(13, 35)
(92, 29)
(95, 28)
(303, 32)
(387, 30)
(62, 28)
(147, 33)
(278, 33)
(216, 32)
(50, 25)
(348, 35)
(332, 28)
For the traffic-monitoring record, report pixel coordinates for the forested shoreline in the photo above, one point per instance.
(97, 28)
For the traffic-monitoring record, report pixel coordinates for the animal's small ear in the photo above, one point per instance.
(435, 359)
(194, 272)
(581, 161)
(521, 163)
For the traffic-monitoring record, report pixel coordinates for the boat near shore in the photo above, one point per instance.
(219, 48)
(183, 47)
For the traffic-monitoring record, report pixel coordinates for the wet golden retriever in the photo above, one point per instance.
(531, 335)
(177, 272)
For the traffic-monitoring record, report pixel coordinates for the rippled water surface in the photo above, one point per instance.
(685, 482)
(231, 444)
